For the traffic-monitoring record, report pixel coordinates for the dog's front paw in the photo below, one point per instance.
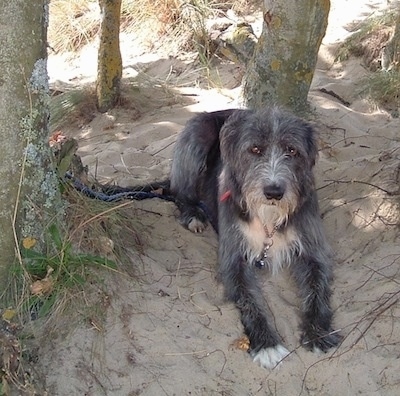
(193, 218)
(321, 341)
(270, 357)
(196, 226)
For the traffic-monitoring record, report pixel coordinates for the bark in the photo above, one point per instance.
(29, 193)
(283, 64)
(109, 69)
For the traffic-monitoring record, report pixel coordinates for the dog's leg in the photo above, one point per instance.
(187, 167)
(313, 275)
(195, 161)
(241, 286)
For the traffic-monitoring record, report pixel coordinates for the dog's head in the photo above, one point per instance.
(267, 158)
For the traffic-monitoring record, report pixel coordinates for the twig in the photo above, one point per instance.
(223, 354)
(97, 216)
(185, 353)
(390, 193)
(191, 300)
(373, 321)
(336, 96)
(123, 163)
(177, 279)
(163, 148)
(378, 271)
(376, 312)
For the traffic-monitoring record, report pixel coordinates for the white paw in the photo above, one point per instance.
(270, 357)
(196, 225)
(318, 351)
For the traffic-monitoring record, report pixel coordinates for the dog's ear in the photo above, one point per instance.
(312, 142)
(232, 126)
(237, 118)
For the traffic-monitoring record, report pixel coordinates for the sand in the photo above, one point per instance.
(169, 331)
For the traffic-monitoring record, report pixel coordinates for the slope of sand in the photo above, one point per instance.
(170, 332)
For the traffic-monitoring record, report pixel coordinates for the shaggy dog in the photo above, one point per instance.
(250, 173)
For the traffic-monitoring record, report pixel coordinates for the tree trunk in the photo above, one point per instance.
(283, 64)
(109, 69)
(29, 194)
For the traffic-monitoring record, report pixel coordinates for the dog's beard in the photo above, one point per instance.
(271, 212)
(271, 215)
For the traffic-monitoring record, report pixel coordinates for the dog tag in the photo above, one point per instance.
(260, 263)
(263, 260)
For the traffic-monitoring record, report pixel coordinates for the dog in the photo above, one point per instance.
(250, 173)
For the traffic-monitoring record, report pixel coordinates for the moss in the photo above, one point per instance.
(276, 22)
(109, 59)
(275, 64)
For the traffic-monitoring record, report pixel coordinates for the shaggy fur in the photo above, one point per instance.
(250, 174)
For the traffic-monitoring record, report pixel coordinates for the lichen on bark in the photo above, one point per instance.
(29, 197)
(40, 203)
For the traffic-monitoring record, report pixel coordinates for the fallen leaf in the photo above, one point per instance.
(8, 314)
(56, 138)
(28, 242)
(242, 343)
(43, 286)
(106, 245)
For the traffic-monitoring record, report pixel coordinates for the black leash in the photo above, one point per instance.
(115, 193)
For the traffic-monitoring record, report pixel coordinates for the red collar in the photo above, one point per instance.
(225, 196)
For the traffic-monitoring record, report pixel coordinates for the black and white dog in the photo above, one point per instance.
(252, 170)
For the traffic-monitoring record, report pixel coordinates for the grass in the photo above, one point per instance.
(381, 88)
(72, 24)
(177, 24)
(100, 236)
(104, 228)
(75, 106)
(358, 43)
(49, 293)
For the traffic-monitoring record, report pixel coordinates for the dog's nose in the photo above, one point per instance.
(274, 191)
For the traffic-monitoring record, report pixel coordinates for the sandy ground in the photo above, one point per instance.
(170, 332)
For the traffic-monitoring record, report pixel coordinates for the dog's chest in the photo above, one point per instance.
(276, 248)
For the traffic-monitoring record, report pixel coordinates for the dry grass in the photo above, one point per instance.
(75, 107)
(105, 229)
(368, 38)
(100, 237)
(178, 23)
(49, 293)
(383, 90)
(72, 24)
(371, 35)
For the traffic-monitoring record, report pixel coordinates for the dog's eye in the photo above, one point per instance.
(256, 150)
(291, 151)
